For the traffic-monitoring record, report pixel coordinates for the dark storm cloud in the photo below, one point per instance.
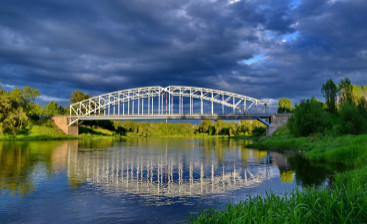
(101, 46)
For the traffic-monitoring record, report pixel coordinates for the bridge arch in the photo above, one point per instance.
(156, 102)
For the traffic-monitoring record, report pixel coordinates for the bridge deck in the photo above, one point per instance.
(173, 117)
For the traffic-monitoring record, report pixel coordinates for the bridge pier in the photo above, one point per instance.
(62, 123)
(277, 121)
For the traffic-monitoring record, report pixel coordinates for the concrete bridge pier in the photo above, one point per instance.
(277, 121)
(62, 122)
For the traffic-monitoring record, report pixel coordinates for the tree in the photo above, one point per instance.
(78, 96)
(308, 118)
(233, 128)
(284, 105)
(352, 120)
(205, 125)
(17, 108)
(245, 127)
(329, 91)
(52, 109)
(218, 126)
(30, 94)
(345, 89)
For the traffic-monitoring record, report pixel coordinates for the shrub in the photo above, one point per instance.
(351, 119)
(308, 118)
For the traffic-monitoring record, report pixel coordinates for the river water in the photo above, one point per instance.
(143, 180)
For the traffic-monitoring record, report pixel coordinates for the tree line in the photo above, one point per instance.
(18, 108)
(206, 127)
(344, 111)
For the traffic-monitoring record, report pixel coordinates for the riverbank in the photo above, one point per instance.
(344, 202)
(48, 131)
(350, 150)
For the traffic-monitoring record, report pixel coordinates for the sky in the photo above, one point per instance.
(265, 49)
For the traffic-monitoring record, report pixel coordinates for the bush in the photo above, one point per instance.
(351, 119)
(308, 118)
(259, 131)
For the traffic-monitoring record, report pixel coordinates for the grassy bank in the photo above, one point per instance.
(344, 202)
(37, 131)
(350, 150)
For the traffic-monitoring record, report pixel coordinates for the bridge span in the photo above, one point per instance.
(169, 103)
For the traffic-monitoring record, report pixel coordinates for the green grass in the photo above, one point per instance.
(38, 131)
(344, 202)
(88, 131)
(350, 150)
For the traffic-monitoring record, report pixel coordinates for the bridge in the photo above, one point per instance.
(169, 103)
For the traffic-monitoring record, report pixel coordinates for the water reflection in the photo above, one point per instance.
(166, 172)
(152, 168)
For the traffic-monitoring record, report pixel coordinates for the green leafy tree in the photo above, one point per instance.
(218, 126)
(357, 94)
(205, 125)
(329, 91)
(308, 118)
(345, 89)
(52, 109)
(16, 108)
(233, 129)
(352, 119)
(245, 127)
(78, 96)
(284, 105)
(364, 89)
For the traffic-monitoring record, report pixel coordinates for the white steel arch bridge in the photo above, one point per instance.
(169, 103)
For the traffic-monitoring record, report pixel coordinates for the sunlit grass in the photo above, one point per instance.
(345, 202)
(350, 150)
(38, 131)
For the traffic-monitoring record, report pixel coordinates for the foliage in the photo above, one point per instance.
(329, 91)
(259, 131)
(345, 89)
(205, 126)
(52, 109)
(146, 129)
(284, 105)
(17, 108)
(308, 118)
(78, 96)
(345, 203)
(352, 118)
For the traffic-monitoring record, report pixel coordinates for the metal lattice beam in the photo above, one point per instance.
(107, 104)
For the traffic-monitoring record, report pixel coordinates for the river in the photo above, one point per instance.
(142, 180)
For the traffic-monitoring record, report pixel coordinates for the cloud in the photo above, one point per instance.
(265, 49)
(47, 99)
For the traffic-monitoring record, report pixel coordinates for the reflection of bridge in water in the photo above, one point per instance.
(165, 174)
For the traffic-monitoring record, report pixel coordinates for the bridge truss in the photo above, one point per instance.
(156, 102)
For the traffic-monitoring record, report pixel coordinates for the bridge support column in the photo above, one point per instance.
(62, 122)
(277, 121)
